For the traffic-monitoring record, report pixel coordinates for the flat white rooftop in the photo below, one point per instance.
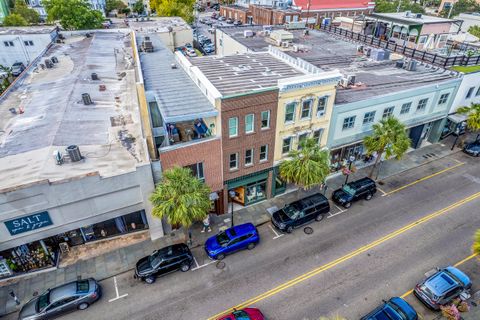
(158, 24)
(54, 116)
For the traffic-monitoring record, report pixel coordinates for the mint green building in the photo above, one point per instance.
(3, 10)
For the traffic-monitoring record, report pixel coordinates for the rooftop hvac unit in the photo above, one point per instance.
(367, 51)
(86, 99)
(399, 64)
(247, 33)
(74, 153)
(412, 65)
(295, 48)
(418, 16)
(408, 13)
(344, 82)
(48, 63)
(351, 80)
(54, 59)
(94, 76)
(360, 48)
(285, 44)
(147, 46)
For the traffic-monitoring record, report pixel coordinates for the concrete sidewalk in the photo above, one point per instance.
(123, 259)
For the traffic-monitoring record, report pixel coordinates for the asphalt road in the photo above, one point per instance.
(352, 261)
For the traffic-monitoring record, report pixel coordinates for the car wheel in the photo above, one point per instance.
(185, 267)
(289, 229)
(319, 217)
(250, 246)
(150, 280)
(347, 205)
(368, 197)
(83, 306)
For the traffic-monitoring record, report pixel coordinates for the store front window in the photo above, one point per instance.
(120, 225)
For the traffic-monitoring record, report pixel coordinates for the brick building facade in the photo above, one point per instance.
(236, 13)
(264, 15)
(248, 154)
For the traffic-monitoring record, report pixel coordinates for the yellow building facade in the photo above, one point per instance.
(305, 107)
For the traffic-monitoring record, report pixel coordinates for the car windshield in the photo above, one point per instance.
(82, 286)
(429, 293)
(398, 310)
(43, 301)
(291, 212)
(348, 189)
(240, 315)
(222, 238)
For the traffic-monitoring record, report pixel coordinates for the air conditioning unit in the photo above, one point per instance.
(411, 65)
(285, 44)
(408, 13)
(295, 48)
(351, 80)
(344, 82)
(418, 16)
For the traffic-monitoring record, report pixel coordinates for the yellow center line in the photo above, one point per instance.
(424, 178)
(348, 256)
(470, 257)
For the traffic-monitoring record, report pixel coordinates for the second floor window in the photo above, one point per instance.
(369, 117)
(266, 119)
(233, 164)
(249, 123)
(264, 153)
(422, 104)
(8, 43)
(443, 98)
(287, 144)
(290, 112)
(233, 127)
(249, 157)
(348, 122)
(301, 139)
(306, 109)
(387, 112)
(28, 43)
(406, 108)
(197, 170)
(317, 135)
(322, 106)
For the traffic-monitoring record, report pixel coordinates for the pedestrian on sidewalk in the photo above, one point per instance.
(206, 224)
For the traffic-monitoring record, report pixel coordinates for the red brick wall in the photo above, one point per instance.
(261, 15)
(234, 13)
(208, 152)
(240, 107)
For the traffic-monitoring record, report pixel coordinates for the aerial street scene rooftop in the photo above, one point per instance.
(240, 160)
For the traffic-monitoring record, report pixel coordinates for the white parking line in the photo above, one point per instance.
(276, 233)
(116, 290)
(203, 265)
(383, 192)
(340, 211)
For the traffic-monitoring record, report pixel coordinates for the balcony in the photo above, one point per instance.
(185, 132)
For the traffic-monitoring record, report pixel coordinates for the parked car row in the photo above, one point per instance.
(438, 289)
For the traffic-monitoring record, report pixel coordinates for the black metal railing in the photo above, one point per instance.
(421, 55)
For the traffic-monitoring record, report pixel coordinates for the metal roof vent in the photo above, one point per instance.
(173, 66)
(54, 59)
(86, 99)
(74, 153)
(94, 76)
(48, 63)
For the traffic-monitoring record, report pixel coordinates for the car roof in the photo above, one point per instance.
(63, 291)
(441, 282)
(240, 229)
(174, 249)
(309, 201)
(362, 182)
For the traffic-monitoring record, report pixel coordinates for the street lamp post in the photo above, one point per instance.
(457, 133)
(232, 195)
(350, 160)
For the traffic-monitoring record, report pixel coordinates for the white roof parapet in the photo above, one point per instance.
(297, 63)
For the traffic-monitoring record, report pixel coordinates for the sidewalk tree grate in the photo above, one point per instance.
(220, 265)
(308, 230)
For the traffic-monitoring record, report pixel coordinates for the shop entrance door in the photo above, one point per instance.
(416, 135)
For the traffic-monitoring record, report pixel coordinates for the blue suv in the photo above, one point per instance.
(394, 309)
(244, 236)
(442, 287)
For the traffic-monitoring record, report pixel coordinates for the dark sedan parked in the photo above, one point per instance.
(363, 188)
(163, 261)
(301, 212)
(394, 309)
(472, 148)
(60, 300)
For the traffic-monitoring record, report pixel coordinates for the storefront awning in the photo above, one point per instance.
(457, 118)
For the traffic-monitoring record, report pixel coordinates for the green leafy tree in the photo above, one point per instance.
(4, 83)
(461, 6)
(174, 8)
(126, 10)
(73, 14)
(30, 15)
(473, 117)
(181, 198)
(306, 167)
(391, 6)
(14, 20)
(138, 7)
(390, 138)
(475, 30)
(111, 5)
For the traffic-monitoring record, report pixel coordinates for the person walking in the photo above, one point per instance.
(206, 224)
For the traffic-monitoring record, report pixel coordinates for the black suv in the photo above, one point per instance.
(301, 212)
(364, 188)
(164, 261)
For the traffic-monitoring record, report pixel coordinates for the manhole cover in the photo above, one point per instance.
(308, 230)
(220, 265)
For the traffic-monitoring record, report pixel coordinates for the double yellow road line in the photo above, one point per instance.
(348, 256)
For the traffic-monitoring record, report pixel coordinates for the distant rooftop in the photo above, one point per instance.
(108, 132)
(333, 4)
(329, 52)
(158, 24)
(244, 72)
(26, 30)
(411, 19)
(178, 97)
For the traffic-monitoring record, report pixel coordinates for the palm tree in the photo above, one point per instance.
(181, 198)
(473, 117)
(476, 243)
(389, 137)
(308, 166)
